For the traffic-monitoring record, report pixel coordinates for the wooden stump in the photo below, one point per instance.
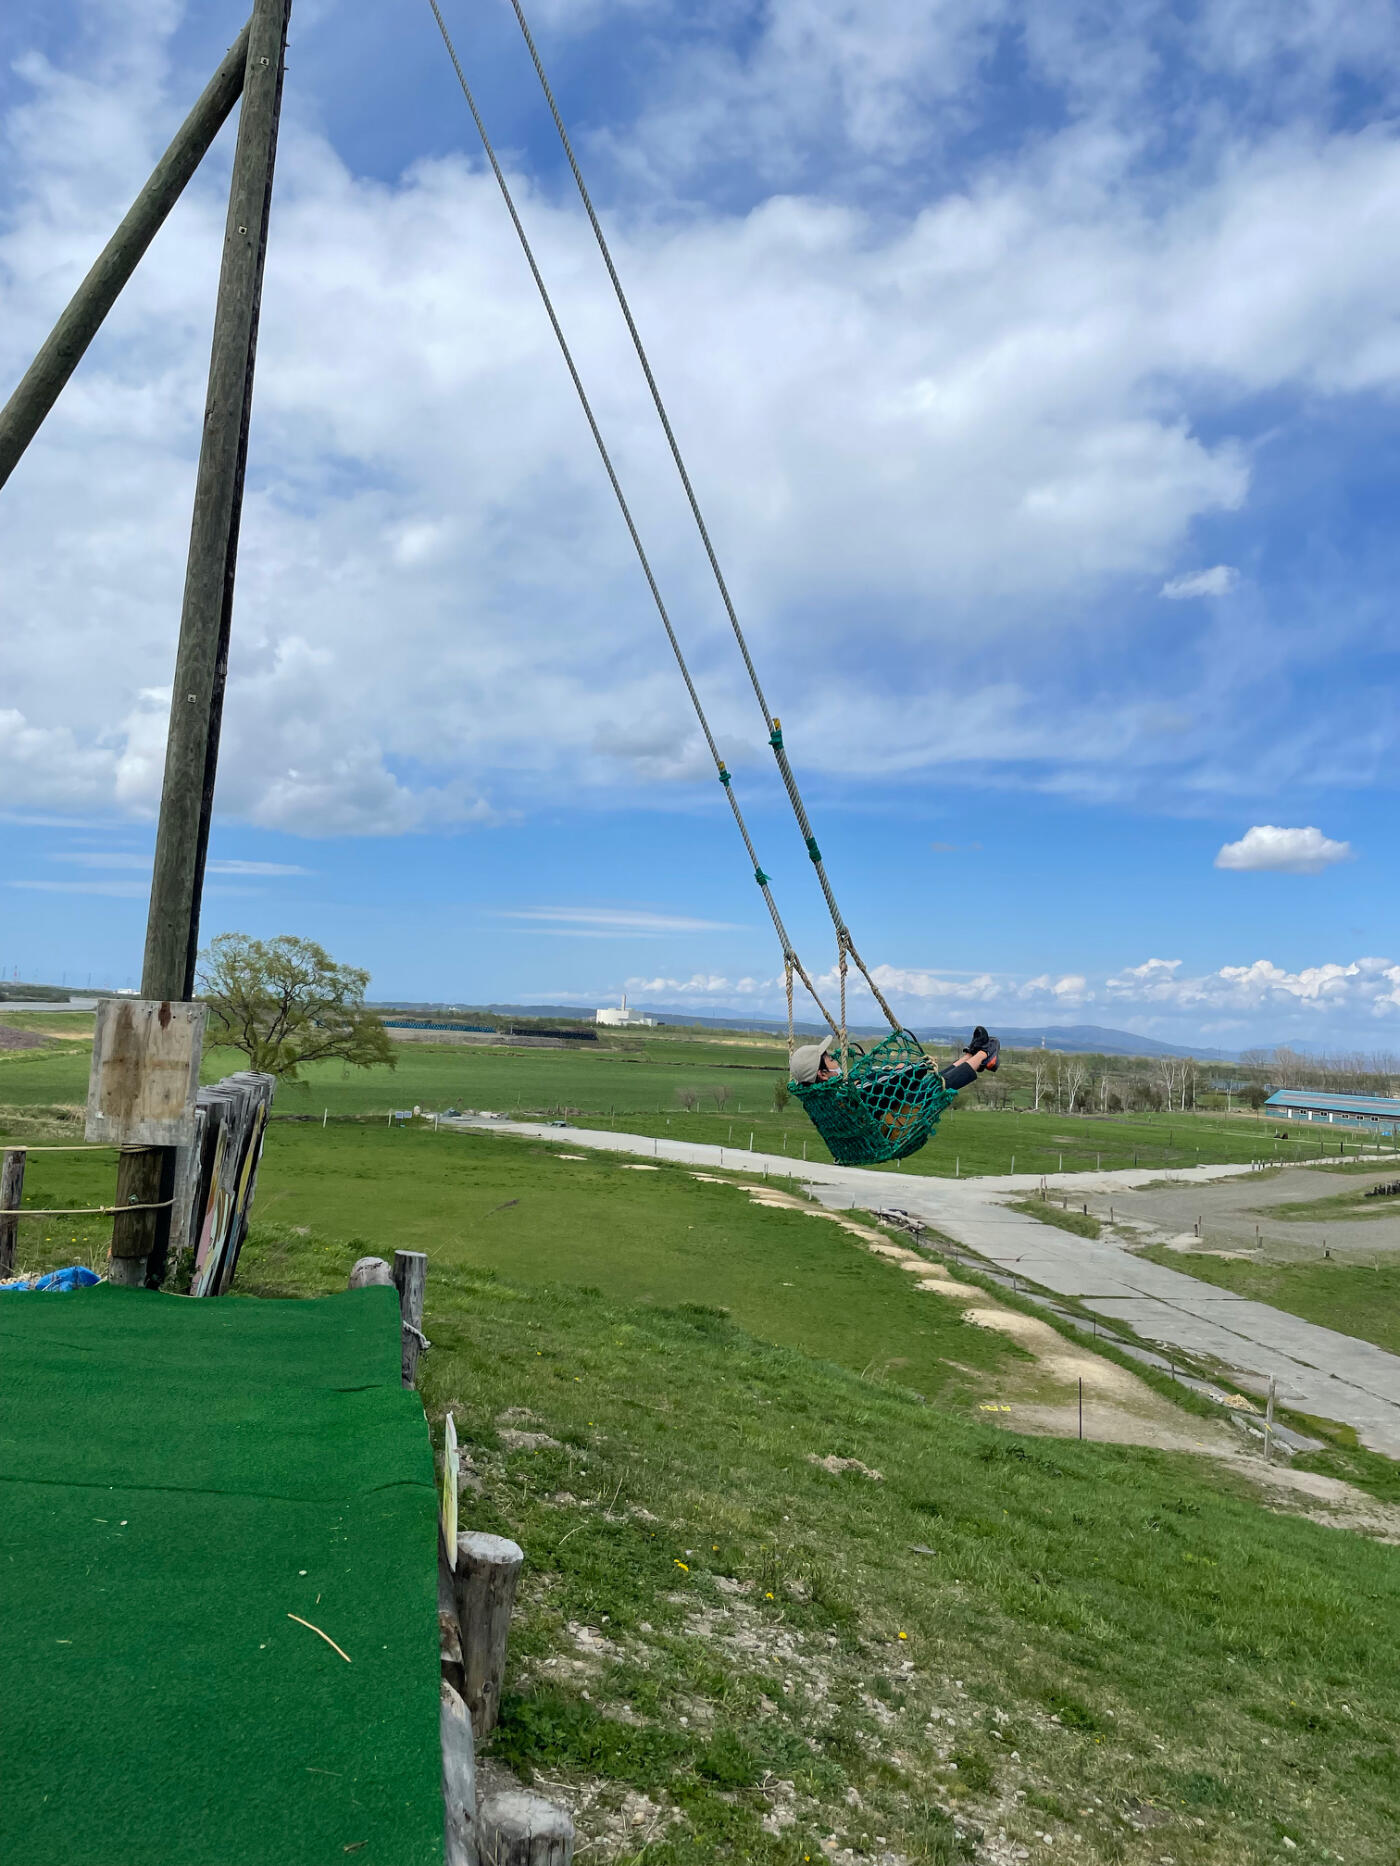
(410, 1279)
(458, 1781)
(369, 1271)
(516, 1828)
(488, 1568)
(11, 1199)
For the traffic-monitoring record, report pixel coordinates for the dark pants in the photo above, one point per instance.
(958, 1075)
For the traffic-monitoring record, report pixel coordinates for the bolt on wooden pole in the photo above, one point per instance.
(44, 381)
(201, 664)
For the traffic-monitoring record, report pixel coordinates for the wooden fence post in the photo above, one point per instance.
(11, 1198)
(410, 1279)
(369, 1271)
(488, 1568)
(517, 1828)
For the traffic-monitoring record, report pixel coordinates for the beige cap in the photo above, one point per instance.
(808, 1060)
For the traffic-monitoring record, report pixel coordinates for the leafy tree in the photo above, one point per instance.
(1254, 1096)
(780, 1096)
(284, 1002)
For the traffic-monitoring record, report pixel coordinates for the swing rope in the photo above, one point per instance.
(791, 962)
(844, 942)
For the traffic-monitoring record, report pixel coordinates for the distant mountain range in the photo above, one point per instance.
(1091, 1039)
(1087, 1038)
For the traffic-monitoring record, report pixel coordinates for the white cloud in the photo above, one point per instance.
(118, 890)
(978, 403)
(606, 922)
(1286, 851)
(1218, 581)
(1232, 1007)
(1353, 993)
(706, 988)
(232, 867)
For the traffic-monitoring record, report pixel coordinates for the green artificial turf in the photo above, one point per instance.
(176, 1479)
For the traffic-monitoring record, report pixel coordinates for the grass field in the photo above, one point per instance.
(643, 1089)
(715, 1633)
(758, 1655)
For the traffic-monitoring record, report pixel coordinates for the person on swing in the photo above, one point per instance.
(814, 1062)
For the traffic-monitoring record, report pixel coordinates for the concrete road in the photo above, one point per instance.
(1230, 1210)
(1318, 1371)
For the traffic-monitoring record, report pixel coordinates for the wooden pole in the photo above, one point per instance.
(488, 1568)
(410, 1279)
(44, 381)
(201, 663)
(518, 1828)
(368, 1271)
(11, 1199)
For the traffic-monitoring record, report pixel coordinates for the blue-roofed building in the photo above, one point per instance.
(1379, 1113)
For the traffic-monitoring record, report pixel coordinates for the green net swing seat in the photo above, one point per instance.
(885, 1107)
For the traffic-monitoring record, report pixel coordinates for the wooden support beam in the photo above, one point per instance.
(517, 1828)
(201, 662)
(11, 1199)
(488, 1568)
(43, 382)
(410, 1279)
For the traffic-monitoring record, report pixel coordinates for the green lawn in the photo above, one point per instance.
(644, 1087)
(1101, 1640)
(502, 1206)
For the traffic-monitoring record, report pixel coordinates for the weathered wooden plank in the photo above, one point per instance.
(449, 1626)
(145, 1073)
(458, 1781)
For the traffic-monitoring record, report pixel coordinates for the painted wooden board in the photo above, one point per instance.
(145, 1072)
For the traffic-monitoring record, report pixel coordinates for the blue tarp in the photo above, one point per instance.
(75, 1276)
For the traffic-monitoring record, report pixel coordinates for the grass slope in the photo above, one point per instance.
(1108, 1644)
(998, 1635)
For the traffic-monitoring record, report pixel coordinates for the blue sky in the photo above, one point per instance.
(1037, 368)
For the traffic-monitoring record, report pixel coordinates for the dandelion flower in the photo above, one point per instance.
(680, 1564)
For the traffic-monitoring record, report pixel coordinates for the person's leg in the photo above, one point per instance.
(981, 1053)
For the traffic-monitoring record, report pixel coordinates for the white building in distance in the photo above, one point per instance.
(610, 1014)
